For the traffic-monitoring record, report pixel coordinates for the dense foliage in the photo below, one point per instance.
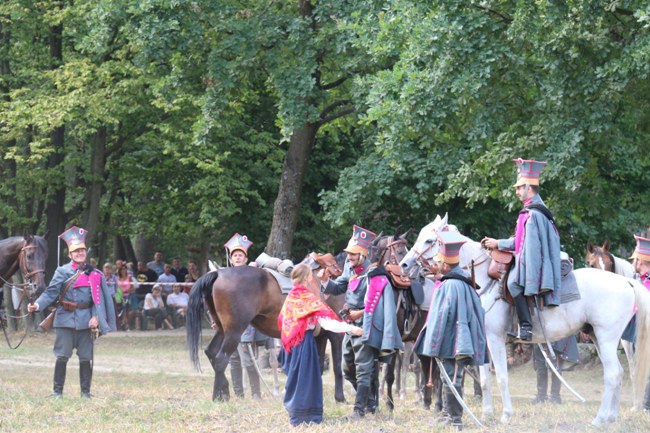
(175, 117)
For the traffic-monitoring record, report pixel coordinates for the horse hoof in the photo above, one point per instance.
(598, 421)
(505, 419)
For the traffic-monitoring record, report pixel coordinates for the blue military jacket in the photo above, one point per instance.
(379, 312)
(353, 298)
(538, 264)
(455, 326)
(79, 318)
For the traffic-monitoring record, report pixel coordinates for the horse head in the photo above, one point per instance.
(599, 257)
(33, 256)
(425, 247)
(388, 249)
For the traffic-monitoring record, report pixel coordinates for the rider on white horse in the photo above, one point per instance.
(536, 245)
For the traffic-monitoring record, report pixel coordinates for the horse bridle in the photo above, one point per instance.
(422, 261)
(390, 248)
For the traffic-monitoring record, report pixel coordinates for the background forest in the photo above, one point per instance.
(172, 124)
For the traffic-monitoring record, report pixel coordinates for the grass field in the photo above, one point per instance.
(143, 382)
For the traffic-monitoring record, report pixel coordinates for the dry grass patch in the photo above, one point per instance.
(144, 382)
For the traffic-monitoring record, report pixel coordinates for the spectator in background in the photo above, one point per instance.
(177, 304)
(157, 264)
(178, 270)
(130, 302)
(154, 307)
(130, 269)
(113, 289)
(145, 277)
(167, 279)
(187, 288)
(193, 271)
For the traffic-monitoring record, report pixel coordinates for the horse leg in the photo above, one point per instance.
(336, 344)
(419, 376)
(497, 347)
(426, 386)
(220, 390)
(628, 348)
(612, 377)
(402, 371)
(212, 349)
(390, 380)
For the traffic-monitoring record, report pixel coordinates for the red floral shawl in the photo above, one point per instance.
(301, 309)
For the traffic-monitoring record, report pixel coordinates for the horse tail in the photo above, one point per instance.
(642, 355)
(195, 307)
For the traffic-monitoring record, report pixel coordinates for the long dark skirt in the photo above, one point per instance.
(303, 397)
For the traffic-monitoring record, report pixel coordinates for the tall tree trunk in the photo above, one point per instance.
(287, 205)
(94, 191)
(55, 210)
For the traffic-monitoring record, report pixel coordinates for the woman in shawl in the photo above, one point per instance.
(302, 315)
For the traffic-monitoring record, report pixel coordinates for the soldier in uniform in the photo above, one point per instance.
(536, 245)
(455, 328)
(369, 304)
(86, 307)
(237, 255)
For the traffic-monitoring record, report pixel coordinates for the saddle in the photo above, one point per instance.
(327, 261)
(398, 278)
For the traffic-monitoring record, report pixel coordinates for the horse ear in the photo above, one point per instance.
(606, 245)
(590, 246)
(405, 234)
(28, 238)
(445, 219)
(45, 234)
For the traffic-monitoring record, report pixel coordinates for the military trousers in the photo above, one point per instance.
(358, 361)
(68, 339)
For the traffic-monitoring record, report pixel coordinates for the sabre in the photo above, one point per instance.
(447, 379)
(559, 376)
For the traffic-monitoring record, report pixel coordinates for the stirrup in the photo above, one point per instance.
(521, 335)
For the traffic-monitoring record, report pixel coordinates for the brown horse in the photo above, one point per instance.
(27, 254)
(601, 258)
(234, 297)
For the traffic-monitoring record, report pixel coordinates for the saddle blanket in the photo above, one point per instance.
(285, 283)
(569, 292)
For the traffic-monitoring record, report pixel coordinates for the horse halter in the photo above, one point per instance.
(27, 274)
(422, 261)
(392, 253)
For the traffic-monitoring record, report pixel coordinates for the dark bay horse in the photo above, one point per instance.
(234, 297)
(28, 255)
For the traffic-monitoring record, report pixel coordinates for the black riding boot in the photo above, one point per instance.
(373, 394)
(542, 384)
(455, 408)
(85, 377)
(360, 402)
(525, 322)
(556, 384)
(59, 377)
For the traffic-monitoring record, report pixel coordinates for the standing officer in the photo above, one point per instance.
(237, 255)
(455, 328)
(85, 306)
(369, 304)
(536, 245)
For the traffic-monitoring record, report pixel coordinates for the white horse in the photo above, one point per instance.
(606, 305)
